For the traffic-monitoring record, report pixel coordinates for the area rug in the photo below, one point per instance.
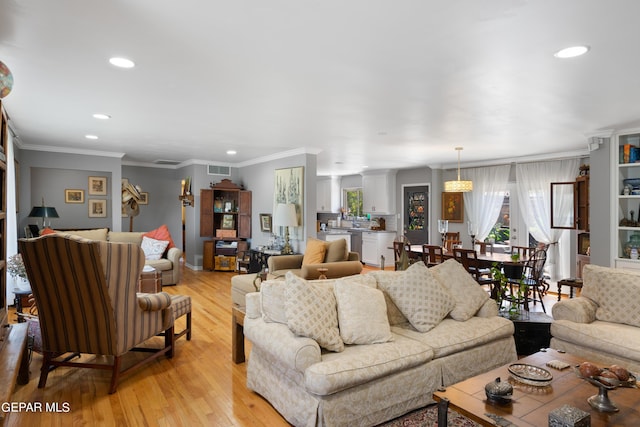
(428, 416)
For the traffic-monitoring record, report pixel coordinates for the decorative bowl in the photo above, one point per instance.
(633, 182)
(601, 401)
(530, 374)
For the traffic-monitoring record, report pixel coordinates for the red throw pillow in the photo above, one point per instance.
(46, 231)
(161, 233)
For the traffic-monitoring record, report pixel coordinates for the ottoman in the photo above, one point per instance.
(181, 305)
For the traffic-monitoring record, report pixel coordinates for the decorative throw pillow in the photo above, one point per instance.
(420, 297)
(46, 231)
(153, 249)
(384, 278)
(362, 314)
(615, 291)
(161, 233)
(467, 293)
(336, 251)
(314, 253)
(311, 312)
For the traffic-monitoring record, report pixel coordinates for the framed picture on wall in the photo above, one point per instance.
(97, 208)
(73, 196)
(97, 185)
(144, 198)
(453, 207)
(265, 222)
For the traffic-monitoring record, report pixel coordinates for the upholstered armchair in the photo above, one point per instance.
(87, 303)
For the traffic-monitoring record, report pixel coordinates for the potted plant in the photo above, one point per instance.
(515, 300)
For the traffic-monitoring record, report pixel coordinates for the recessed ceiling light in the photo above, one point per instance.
(122, 62)
(571, 52)
(91, 136)
(231, 152)
(101, 116)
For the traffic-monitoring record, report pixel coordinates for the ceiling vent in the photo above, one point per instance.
(218, 170)
(166, 162)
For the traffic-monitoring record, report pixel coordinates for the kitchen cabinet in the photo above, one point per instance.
(323, 192)
(376, 244)
(625, 159)
(379, 192)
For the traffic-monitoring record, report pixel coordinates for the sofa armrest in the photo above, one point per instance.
(578, 310)
(284, 262)
(353, 256)
(277, 340)
(334, 269)
(173, 255)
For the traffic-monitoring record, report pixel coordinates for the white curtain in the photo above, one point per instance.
(533, 181)
(483, 204)
(12, 227)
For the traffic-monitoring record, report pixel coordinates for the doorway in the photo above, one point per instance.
(415, 213)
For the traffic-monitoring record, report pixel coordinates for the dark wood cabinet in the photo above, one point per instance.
(225, 217)
(582, 202)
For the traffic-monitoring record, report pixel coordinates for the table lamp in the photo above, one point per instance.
(285, 216)
(43, 212)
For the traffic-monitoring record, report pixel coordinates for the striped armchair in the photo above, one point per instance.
(85, 292)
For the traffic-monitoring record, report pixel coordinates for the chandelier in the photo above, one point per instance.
(458, 186)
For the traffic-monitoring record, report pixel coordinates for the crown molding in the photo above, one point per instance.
(67, 150)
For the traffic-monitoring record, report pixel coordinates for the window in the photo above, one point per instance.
(500, 231)
(352, 201)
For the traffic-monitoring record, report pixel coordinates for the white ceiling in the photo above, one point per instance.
(381, 83)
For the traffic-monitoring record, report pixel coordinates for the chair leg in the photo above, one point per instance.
(169, 341)
(44, 370)
(115, 374)
(189, 326)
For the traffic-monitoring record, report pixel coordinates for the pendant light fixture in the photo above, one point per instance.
(458, 186)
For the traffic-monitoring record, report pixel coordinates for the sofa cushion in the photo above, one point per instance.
(161, 233)
(361, 364)
(610, 288)
(420, 297)
(161, 264)
(362, 313)
(314, 253)
(451, 336)
(126, 237)
(384, 278)
(311, 312)
(469, 296)
(336, 251)
(96, 234)
(153, 249)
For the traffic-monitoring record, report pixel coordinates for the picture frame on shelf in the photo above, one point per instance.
(228, 206)
(97, 185)
(453, 207)
(227, 222)
(144, 198)
(73, 195)
(97, 208)
(265, 222)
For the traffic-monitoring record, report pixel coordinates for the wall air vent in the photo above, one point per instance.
(218, 170)
(166, 162)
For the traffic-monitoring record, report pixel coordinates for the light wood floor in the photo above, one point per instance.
(200, 386)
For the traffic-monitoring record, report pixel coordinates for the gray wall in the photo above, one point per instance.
(600, 204)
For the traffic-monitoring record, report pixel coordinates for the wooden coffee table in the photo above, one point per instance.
(531, 405)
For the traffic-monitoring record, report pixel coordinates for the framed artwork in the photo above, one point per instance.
(73, 196)
(228, 206)
(265, 222)
(289, 188)
(453, 207)
(227, 222)
(97, 185)
(144, 198)
(97, 208)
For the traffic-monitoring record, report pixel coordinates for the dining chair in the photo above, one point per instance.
(401, 252)
(533, 277)
(483, 246)
(524, 252)
(87, 303)
(469, 260)
(449, 244)
(431, 255)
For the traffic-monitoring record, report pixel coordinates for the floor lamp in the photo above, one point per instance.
(285, 216)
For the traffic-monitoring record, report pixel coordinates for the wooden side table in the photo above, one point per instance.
(572, 283)
(237, 334)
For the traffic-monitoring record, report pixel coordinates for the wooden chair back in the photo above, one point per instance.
(431, 254)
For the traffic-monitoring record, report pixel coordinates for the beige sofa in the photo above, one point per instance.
(384, 364)
(169, 265)
(603, 324)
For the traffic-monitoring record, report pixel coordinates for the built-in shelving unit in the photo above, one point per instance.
(625, 158)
